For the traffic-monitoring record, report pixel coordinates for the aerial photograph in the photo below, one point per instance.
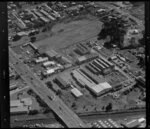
(77, 64)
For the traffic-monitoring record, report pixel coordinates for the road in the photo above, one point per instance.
(54, 102)
(85, 118)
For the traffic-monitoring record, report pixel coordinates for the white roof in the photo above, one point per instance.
(48, 63)
(141, 119)
(76, 92)
(41, 59)
(49, 71)
(101, 86)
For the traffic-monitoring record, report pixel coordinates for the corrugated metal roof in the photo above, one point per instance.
(101, 86)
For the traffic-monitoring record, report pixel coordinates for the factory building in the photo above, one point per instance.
(102, 65)
(41, 60)
(87, 74)
(96, 89)
(20, 106)
(76, 92)
(91, 69)
(81, 59)
(97, 69)
(61, 82)
(48, 72)
(48, 63)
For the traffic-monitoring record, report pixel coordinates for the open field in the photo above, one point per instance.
(73, 32)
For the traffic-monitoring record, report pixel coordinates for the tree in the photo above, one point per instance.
(73, 105)
(32, 39)
(16, 38)
(109, 107)
(59, 92)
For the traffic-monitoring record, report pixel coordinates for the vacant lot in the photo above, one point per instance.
(69, 33)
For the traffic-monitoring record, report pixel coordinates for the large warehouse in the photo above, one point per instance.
(100, 66)
(96, 89)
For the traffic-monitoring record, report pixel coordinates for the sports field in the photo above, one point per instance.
(69, 33)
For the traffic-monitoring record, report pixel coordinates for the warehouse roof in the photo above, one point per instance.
(81, 58)
(101, 86)
(48, 63)
(76, 92)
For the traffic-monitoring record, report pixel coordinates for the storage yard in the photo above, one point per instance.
(65, 54)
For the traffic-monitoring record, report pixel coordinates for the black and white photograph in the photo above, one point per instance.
(76, 64)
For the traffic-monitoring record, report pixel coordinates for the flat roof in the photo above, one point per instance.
(101, 86)
(48, 63)
(76, 92)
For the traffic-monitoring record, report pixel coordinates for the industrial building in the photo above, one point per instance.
(96, 88)
(61, 82)
(48, 72)
(101, 65)
(21, 106)
(91, 69)
(76, 92)
(48, 63)
(41, 60)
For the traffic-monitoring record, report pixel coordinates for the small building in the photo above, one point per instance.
(48, 72)
(48, 63)
(81, 59)
(19, 110)
(41, 60)
(76, 92)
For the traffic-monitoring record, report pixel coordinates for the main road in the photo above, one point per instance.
(70, 119)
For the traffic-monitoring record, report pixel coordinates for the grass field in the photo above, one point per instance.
(68, 33)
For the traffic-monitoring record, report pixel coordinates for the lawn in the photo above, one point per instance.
(73, 32)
